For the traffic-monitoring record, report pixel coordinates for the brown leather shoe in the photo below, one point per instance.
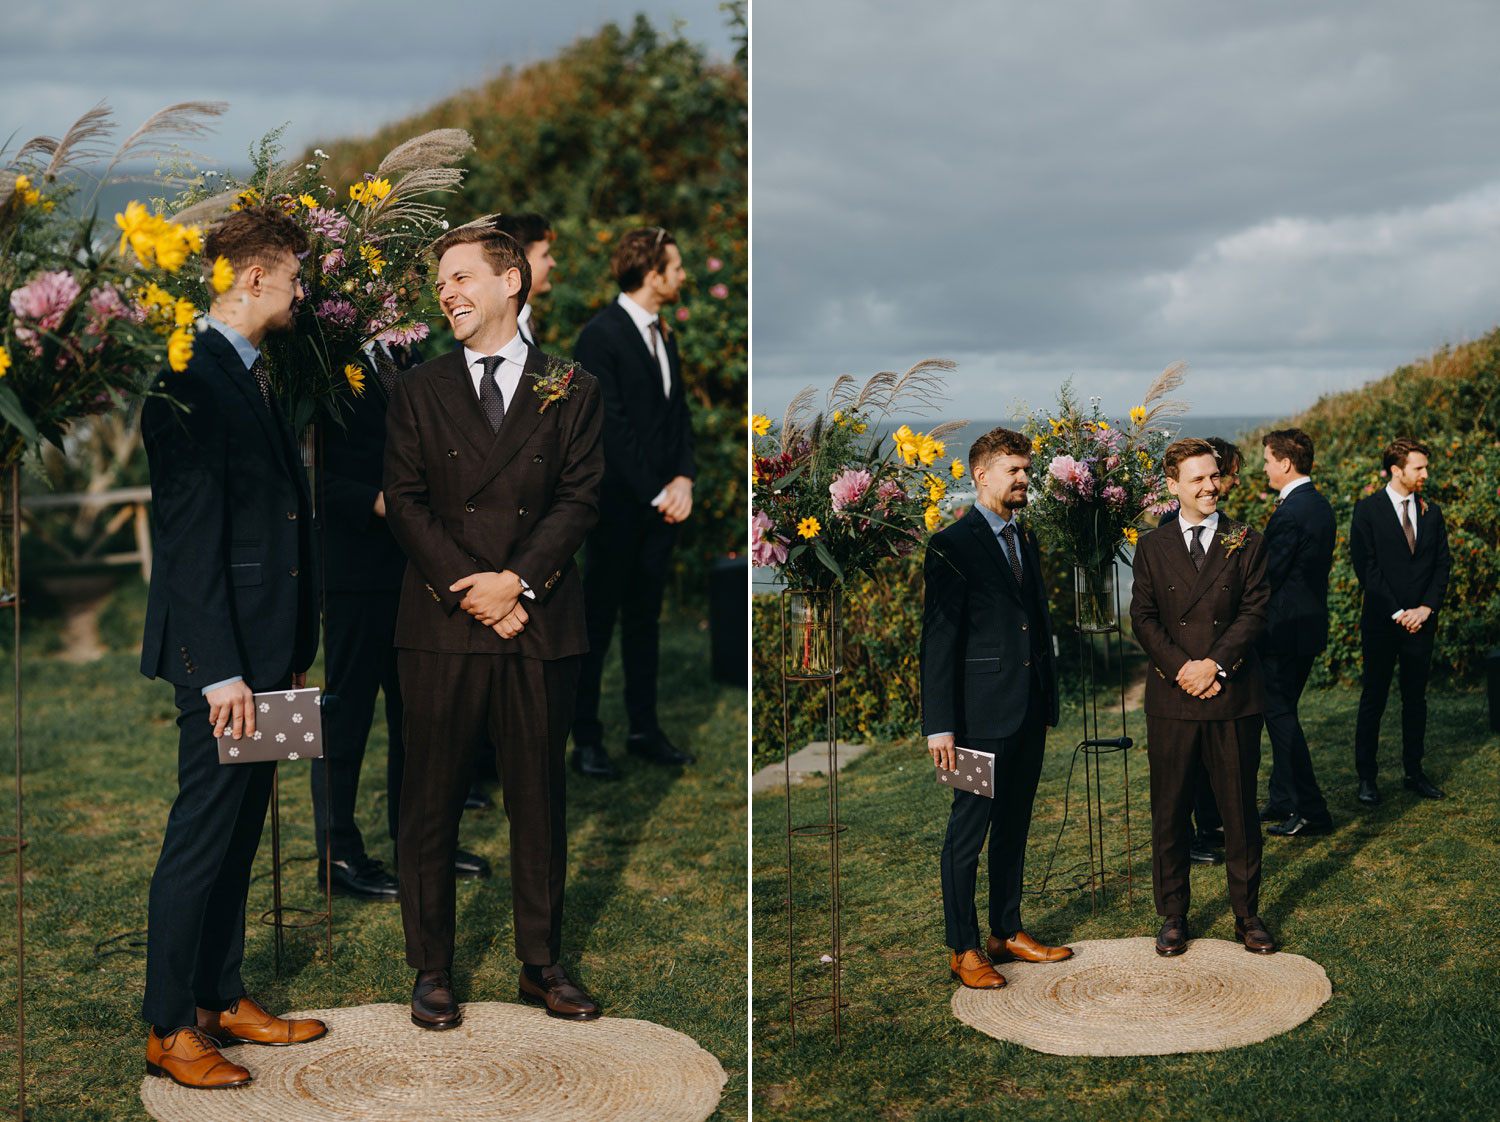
(560, 995)
(1023, 946)
(1252, 932)
(975, 971)
(1172, 939)
(245, 1022)
(189, 1059)
(433, 1005)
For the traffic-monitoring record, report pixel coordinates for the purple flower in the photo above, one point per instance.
(1114, 494)
(719, 291)
(332, 261)
(340, 313)
(328, 223)
(765, 548)
(849, 488)
(404, 336)
(888, 491)
(45, 299)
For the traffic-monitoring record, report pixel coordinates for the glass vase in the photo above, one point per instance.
(1095, 601)
(810, 639)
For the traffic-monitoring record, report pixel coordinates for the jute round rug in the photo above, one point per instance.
(504, 1062)
(1118, 997)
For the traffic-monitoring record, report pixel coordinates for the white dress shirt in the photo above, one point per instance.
(1292, 486)
(1209, 524)
(657, 346)
(523, 324)
(507, 374)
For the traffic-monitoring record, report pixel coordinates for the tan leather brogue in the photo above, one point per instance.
(975, 971)
(245, 1022)
(1024, 947)
(189, 1059)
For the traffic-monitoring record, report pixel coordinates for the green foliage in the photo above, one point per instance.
(1451, 402)
(626, 128)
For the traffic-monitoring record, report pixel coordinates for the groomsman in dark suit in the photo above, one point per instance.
(364, 570)
(989, 684)
(1299, 555)
(1198, 609)
(647, 493)
(533, 233)
(232, 609)
(492, 469)
(1398, 542)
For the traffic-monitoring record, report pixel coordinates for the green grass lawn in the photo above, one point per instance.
(655, 923)
(1400, 906)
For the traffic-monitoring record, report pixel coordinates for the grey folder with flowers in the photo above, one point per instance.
(975, 774)
(288, 726)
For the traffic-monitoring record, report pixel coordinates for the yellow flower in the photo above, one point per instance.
(28, 194)
(932, 516)
(183, 313)
(248, 197)
(372, 258)
(1036, 445)
(928, 450)
(380, 188)
(1103, 426)
(1138, 415)
(355, 376)
(4, 361)
(139, 230)
(1057, 426)
(957, 469)
(809, 527)
(223, 276)
(760, 424)
(154, 296)
(908, 445)
(1130, 534)
(179, 349)
(308, 201)
(859, 427)
(838, 416)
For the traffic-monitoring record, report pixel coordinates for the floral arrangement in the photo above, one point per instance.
(832, 496)
(1092, 482)
(86, 322)
(363, 275)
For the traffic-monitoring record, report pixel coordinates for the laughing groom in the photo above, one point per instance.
(492, 469)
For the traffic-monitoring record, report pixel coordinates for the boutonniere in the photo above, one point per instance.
(1234, 538)
(554, 385)
(1421, 505)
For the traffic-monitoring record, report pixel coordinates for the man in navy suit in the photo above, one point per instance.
(647, 493)
(1398, 542)
(1299, 555)
(232, 609)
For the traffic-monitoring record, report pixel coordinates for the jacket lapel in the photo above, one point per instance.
(1213, 564)
(990, 546)
(246, 395)
(521, 420)
(636, 343)
(456, 399)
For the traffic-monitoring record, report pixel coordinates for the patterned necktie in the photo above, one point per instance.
(385, 369)
(490, 399)
(258, 372)
(1195, 548)
(1406, 527)
(1008, 533)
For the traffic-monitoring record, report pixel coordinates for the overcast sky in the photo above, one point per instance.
(1294, 197)
(332, 67)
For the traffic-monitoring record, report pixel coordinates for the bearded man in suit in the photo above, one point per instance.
(492, 469)
(989, 684)
(1398, 542)
(1198, 608)
(232, 609)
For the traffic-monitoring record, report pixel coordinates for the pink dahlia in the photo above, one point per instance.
(765, 548)
(45, 299)
(404, 336)
(682, 315)
(849, 488)
(714, 264)
(1074, 476)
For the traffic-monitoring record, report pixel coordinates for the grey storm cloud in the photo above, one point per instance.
(1293, 197)
(329, 69)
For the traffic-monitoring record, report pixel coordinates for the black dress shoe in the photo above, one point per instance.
(1198, 854)
(657, 749)
(1369, 794)
(1298, 827)
(470, 865)
(433, 1005)
(1269, 813)
(1252, 932)
(1424, 787)
(593, 761)
(1172, 939)
(362, 879)
(478, 799)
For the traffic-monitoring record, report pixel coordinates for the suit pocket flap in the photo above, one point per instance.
(243, 573)
(981, 666)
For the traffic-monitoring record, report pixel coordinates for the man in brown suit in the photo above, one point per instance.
(492, 469)
(1198, 607)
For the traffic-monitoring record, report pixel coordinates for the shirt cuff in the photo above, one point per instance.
(225, 682)
(661, 497)
(526, 589)
(1397, 615)
(934, 735)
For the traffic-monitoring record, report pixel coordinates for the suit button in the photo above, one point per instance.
(1026, 662)
(1216, 623)
(536, 459)
(522, 512)
(1171, 588)
(1226, 588)
(291, 572)
(453, 453)
(469, 507)
(291, 516)
(1182, 623)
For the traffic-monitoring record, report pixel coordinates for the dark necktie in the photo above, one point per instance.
(658, 341)
(258, 372)
(1008, 535)
(490, 399)
(1195, 548)
(385, 369)
(1406, 527)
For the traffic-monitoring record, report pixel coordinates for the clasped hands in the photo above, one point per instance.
(494, 599)
(1200, 678)
(1413, 618)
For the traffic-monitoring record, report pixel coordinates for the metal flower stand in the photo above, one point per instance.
(812, 653)
(15, 845)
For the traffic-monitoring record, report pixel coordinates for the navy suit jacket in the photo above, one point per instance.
(1299, 554)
